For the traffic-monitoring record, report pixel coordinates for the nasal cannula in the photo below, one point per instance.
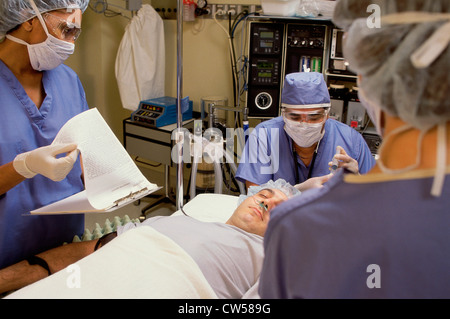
(261, 204)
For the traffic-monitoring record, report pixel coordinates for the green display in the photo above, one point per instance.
(264, 74)
(266, 35)
(265, 65)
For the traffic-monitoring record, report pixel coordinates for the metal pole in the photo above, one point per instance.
(179, 190)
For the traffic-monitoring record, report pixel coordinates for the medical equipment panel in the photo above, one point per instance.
(161, 111)
(337, 51)
(265, 69)
(305, 48)
(356, 113)
(373, 140)
(338, 96)
(338, 64)
(278, 47)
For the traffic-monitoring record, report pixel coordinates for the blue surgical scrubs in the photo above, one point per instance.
(24, 127)
(370, 236)
(268, 153)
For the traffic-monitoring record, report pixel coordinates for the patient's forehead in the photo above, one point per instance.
(272, 193)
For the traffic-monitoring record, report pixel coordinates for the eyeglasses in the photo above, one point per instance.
(65, 30)
(312, 117)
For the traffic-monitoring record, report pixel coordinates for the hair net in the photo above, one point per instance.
(280, 184)
(16, 12)
(305, 90)
(382, 55)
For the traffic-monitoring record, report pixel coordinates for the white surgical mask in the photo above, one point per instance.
(303, 134)
(49, 54)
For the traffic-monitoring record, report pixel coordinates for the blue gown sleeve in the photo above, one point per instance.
(256, 161)
(365, 160)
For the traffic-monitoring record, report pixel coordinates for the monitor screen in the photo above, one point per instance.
(336, 45)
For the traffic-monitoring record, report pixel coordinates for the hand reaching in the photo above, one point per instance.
(314, 182)
(345, 161)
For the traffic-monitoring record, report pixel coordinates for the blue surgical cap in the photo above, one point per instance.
(305, 90)
(280, 184)
(16, 12)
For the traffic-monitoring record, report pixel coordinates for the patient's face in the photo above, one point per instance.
(251, 217)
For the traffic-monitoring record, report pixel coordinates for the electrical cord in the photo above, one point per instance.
(230, 44)
(226, 169)
(243, 61)
(102, 7)
(233, 60)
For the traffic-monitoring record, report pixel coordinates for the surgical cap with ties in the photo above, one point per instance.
(305, 90)
(16, 12)
(419, 95)
(404, 63)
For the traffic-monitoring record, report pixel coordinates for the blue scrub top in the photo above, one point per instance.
(268, 153)
(369, 236)
(24, 127)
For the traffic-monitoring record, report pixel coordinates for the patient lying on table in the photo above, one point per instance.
(229, 255)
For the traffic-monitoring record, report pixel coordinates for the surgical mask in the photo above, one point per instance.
(304, 134)
(373, 110)
(49, 54)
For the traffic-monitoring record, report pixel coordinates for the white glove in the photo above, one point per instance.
(314, 182)
(344, 160)
(43, 161)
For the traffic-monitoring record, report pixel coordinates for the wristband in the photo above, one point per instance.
(102, 241)
(35, 260)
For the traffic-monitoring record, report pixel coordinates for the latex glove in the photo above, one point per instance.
(313, 182)
(344, 160)
(43, 161)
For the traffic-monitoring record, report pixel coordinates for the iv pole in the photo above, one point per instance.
(179, 189)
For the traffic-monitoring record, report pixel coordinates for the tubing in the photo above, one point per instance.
(179, 189)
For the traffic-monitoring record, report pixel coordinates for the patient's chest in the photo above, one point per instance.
(229, 258)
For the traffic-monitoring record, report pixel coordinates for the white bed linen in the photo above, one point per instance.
(134, 265)
(210, 207)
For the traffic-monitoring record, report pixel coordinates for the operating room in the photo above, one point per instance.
(292, 132)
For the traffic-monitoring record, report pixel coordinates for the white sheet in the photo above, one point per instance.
(134, 266)
(153, 266)
(210, 207)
